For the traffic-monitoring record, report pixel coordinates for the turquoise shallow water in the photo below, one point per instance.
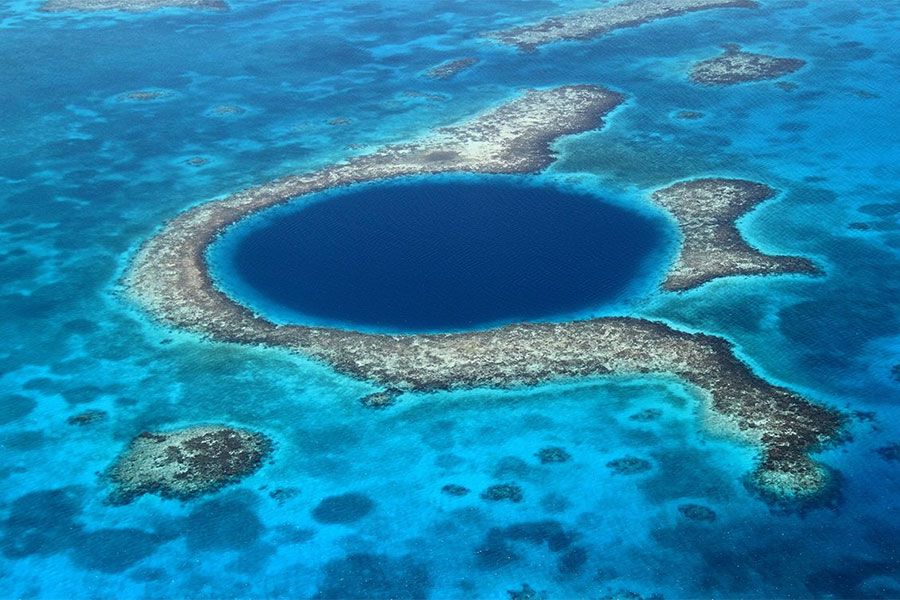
(85, 178)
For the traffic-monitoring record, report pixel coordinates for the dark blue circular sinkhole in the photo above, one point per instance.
(440, 254)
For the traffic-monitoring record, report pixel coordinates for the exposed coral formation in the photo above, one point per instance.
(448, 69)
(186, 463)
(736, 66)
(169, 278)
(130, 5)
(706, 211)
(593, 22)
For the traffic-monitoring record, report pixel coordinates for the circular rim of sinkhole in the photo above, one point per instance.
(559, 200)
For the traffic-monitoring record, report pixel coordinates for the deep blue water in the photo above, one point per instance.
(445, 255)
(84, 179)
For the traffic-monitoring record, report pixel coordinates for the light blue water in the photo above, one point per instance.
(85, 178)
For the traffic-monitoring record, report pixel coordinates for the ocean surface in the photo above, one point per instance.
(87, 175)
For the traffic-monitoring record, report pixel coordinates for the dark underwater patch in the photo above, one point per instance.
(14, 407)
(292, 534)
(23, 440)
(629, 465)
(223, 524)
(346, 508)
(891, 452)
(503, 491)
(113, 550)
(41, 523)
(375, 577)
(511, 467)
(572, 561)
(854, 577)
(498, 550)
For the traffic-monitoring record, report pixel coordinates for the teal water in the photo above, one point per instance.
(85, 178)
(441, 254)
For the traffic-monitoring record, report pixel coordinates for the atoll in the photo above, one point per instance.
(593, 22)
(169, 278)
(736, 66)
(503, 491)
(129, 5)
(553, 454)
(186, 463)
(448, 69)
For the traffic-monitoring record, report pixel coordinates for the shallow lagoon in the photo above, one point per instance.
(442, 254)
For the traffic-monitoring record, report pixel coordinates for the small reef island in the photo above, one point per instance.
(186, 463)
(736, 66)
(169, 277)
(593, 22)
(130, 5)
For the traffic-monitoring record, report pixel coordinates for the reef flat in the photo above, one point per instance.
(706, 211)
(587, 24)
(736, 66)
(448, 69)
(130, 5)
(186, 463)
(169, 278)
